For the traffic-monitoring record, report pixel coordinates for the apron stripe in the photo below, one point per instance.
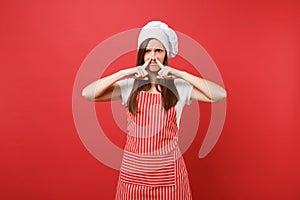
(150, 170)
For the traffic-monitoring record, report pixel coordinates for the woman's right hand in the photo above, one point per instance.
(138, 72)
(106, 89)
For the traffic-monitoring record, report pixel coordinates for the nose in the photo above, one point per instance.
(152, 53)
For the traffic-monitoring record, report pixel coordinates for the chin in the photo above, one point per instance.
(154, 68)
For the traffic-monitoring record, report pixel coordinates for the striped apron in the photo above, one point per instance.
(152, 167)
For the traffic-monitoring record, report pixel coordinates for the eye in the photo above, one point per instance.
(159, 50)
(148, 50)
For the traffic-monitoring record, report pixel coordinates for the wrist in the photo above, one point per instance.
(125, 72)
(181, 74)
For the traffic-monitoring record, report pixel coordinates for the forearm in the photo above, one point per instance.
(211, 90)
(99, 87)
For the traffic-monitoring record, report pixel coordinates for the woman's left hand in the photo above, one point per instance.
(203, 90)
(167, 72)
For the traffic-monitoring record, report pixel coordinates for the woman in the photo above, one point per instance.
(154, 94)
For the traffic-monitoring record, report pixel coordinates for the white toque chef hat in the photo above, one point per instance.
(160, 31)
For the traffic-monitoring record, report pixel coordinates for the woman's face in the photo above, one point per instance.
(154, 50)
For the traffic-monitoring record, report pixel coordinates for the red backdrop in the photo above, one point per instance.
(255, 45)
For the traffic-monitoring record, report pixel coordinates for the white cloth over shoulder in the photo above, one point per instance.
(185, 92)
(126, 87)
(183, 87)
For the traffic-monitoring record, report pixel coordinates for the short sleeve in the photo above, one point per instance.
(126, 87)
(184, 91)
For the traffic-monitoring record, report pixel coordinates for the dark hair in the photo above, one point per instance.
(167, 87)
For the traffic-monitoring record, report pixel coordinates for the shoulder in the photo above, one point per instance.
(182, 84)
(184, 89)
(128, 82)
(126, 87)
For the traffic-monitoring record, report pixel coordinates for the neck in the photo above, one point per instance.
(152, 77)
(153, 89)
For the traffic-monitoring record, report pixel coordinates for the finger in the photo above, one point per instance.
(159, 63)
(146, 63)
(139, 77)
(140, 73)
(163, 72)
(168, 77)
(143, 72)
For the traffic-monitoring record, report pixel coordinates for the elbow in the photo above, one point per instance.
(222, 95)
(86, 95)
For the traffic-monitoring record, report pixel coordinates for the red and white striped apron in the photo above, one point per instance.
(152, 167)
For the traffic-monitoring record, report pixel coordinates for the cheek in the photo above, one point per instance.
(146, 57)
(161, 57)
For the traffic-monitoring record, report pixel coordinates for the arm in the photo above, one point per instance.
(106, 89)
(203, 90)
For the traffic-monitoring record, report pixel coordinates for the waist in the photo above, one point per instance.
(151, 146)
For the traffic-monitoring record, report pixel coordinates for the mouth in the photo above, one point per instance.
(153, 63)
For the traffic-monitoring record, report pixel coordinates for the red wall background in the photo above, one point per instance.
(255, 45)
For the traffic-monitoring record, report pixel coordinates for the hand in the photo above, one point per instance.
(166, 72)
(140, 72)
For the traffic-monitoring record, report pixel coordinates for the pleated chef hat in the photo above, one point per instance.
(160, 31)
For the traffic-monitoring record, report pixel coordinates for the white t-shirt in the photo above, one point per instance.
(183, 87)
